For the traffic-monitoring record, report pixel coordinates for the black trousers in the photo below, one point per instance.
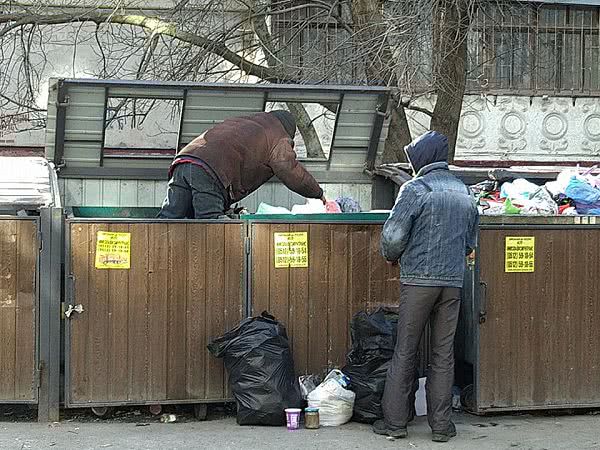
(418, 305)
(194, 194)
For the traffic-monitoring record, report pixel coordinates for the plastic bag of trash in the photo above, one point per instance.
(540, 202)
(265, 208)
(308, 383)
(519, 190)
(312, 206)
(348, 205)
(373, 341)
(585, 196)
(258, 359)
(334, 401)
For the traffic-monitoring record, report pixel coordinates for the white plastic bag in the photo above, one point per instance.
(265, 208)
(335, 403)
(312, 206)
(308, 383)
(421, 398)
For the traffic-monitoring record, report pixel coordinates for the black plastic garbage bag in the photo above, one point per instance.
(373, 341)
(258, 359)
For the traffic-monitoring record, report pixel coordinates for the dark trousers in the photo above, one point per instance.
(417, 305)
(193, 194)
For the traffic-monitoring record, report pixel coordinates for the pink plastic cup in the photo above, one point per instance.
(292, 416)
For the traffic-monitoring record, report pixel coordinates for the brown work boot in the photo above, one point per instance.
(380, 427)
(444, 436)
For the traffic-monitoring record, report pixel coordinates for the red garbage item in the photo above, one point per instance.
(332, 207)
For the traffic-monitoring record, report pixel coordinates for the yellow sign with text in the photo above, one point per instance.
(519, 255)
(113, 250)
(291, 250)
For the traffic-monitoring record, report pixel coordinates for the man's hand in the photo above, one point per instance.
(392, 263)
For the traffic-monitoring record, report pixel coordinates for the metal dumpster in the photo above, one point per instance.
(346, 274)
(141, 332)
(30, 274)
(535, 319)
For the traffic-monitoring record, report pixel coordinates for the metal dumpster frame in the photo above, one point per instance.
(478, 304)
(68, 384)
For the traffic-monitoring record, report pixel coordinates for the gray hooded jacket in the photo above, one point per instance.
(433, 225)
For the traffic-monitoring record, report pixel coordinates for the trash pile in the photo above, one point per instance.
(373, 341)
(259, 361)
(572, 193)
(312, 206)
(333, 399)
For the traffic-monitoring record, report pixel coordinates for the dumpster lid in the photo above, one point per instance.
(77, 124)
(27, 183)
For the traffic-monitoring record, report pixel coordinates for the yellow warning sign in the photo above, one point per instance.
(291, 250)
(113, 250)
(520, 254)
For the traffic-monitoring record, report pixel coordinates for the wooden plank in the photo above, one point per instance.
(299, 310)
(377, 272)
(233, 294)
(25, 309)
(196, 321)
(358, 278)
(137, 313)
(261, 267)
(279, 288)
(338, 311)
(96, 307)
(118, 320)
(78, 324)
(8, 290)
(177, 299)
(215, 288)
(158, 279)
(319, 248)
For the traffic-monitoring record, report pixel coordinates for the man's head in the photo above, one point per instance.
(428, 148)
(287, 120)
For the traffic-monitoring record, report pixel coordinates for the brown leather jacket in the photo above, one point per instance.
(246, 152)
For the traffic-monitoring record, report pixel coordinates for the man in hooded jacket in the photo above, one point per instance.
(230, 161)
(430, 231)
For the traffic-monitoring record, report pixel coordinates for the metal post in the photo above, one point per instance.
(49, 323)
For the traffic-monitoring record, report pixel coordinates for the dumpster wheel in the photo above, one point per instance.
(104, 412)
(467, 397)
(200, 411)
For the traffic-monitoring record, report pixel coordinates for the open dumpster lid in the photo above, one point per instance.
(78, 109)
(27, 183)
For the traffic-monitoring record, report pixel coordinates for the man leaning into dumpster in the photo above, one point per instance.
(230, 161)
(430, 231)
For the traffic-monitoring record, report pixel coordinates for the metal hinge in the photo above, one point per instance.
(247, 245)
(73, 309)
(40, 241)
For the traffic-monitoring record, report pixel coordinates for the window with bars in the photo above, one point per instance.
(535, 48)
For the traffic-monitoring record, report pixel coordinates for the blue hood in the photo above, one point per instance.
(428, 148)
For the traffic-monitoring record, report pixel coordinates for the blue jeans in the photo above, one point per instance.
(194, 194)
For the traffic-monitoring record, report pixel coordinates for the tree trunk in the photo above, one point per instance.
(314, 149)
(451, 26)
(366, 14)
